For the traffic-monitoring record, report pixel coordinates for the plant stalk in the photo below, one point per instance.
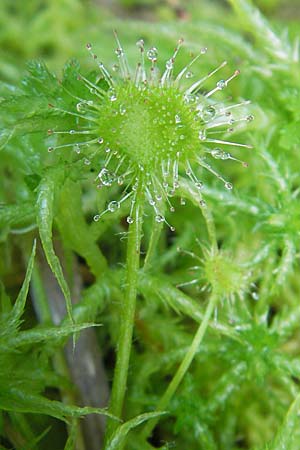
(184, 366)
(127, 318)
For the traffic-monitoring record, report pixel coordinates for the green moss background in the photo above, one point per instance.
(242, 389)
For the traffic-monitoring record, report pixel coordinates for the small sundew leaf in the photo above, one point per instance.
(120, 434)
(44, 213)
(21, 299)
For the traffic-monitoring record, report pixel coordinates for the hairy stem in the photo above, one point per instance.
(184, 366)
(127, 317)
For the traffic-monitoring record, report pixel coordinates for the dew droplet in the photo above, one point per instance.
(113, 98)
(50, 132)
(221, 84)
(120, 180)
(152, 54)
(72, 131)
(203, 50)
(177, 118)
(106, 177)
(182, 201)
(217, 153)
(255, 296)
(115, 67)
(86, 161)
(96, 217)
(202, 135)
(129, 219)
(228, 185)
(159, 218)
(100, 140)
(113, 206)
(89, 46)
(169, 64)
(208, 113)
(122, 110)
(119, 52)
(81, 107)
(172, 228)
(199, 185)
(250, 118)
(50, 149)
(189, 74)
(202, 203)
(76, 148)
(140, 44)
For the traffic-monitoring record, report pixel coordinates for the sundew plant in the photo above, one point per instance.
(149, 224)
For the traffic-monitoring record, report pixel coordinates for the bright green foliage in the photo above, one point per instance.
(199, 331)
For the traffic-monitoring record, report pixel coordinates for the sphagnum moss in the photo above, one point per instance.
(150, 130)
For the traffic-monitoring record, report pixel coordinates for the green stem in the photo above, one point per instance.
(155, 236)
(184, 366)
(127, 318)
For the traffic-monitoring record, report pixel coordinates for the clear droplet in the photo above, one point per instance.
(182, 201)
(255, 296)
(119, 52)
(106, 177)
(208, 113)
(202, 135)
(202, 203)
(221, 84)
(228, 185)
(217, 153)
(100, 140)
(86, 161)
(159, 218)
(113, 206)
(199, 185)
(96, 217)
(169, 64)
(77, 148)
(72, 131)
(172, 228)
(81, 107)
(113, 98)
(152, 54)
(50, 149)
(115, 67)
(129, 219)
(250, 118)
(122, 110)
(120, 180)
(140, 44)
(177, 118)
(203, 50)
(189, 74)
(89, 46)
